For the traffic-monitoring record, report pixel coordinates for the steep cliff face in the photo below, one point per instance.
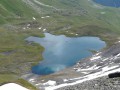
(91, 73)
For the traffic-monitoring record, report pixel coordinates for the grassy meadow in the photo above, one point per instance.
(71, 18)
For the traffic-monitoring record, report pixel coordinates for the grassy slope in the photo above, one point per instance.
(20, 53)
(15, 12)
(92, 22)
(71, 13)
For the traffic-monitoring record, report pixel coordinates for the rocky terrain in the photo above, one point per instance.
(88, 74)
(20, 19)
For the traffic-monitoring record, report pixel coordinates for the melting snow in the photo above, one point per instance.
(87, 69)
(109, 68)
(102, 12)
(84, 72)
(31, 80)
(50, 82)
(40, 28)
(105, 71)
(12, 86)
(42, 17)
(97, 54)
(117, 56)
(28, 25)
(38, 84)
(65, 80)
(34, 18)
(44, 30)
(105, 59)
(95, 57)
(47, 16)
(24, 28)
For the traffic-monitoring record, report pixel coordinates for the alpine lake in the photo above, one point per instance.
(62, 52)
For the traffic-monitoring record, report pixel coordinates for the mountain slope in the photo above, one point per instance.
(23, 18)
(14, 10)
(76, 13)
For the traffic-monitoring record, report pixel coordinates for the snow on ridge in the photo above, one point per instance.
(85, 72)
(88, 69)
(12, 86)
(104, 72)
(117, 56)
(109, 68)
(98, 53)
(95, 57)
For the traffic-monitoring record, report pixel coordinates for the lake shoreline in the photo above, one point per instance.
(73, 72)
(59, 48)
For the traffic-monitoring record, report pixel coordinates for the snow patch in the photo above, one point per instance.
(88, 69)
(50, 83)
(31, 80)
(47, 16)
(34, 18)
(12, 86)
(95, 57)
(44, 30)
(65, 80)
(42, 17)
(109, 68)
(40, 28)
(105, 71)
(84, 72)
(105, 59)
(102, 12)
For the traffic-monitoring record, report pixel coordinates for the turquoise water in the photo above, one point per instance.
(111, 3)
(62, 52)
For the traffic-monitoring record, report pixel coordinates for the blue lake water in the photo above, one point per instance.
(62, 52)
(111, 3)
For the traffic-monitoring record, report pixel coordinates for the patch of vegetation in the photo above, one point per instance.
(16, 55)
(15, 11)
(72, 18)
(26, 84)
(7, 77)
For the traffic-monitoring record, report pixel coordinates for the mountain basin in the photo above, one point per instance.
(62, 52)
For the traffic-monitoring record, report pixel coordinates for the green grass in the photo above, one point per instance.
(7, 77)
(81, 16)
(111, 19)
(15, 9)
(22, 56)
(11, 77)
(20, 50)
(26, 84)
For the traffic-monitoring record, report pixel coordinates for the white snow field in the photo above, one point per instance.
(12, 86)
